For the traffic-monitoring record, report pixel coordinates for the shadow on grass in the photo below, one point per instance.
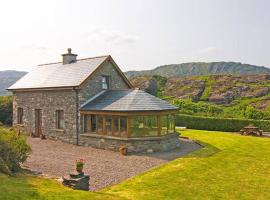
(25, 185)
(188, 148)
(207, 150)
(17, 187)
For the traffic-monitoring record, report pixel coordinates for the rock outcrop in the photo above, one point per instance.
(217, 89)
(146, 83)
(185, 88)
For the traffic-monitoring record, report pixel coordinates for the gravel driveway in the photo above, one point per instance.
(55, 158)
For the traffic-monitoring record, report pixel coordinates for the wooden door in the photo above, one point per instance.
(38, 122)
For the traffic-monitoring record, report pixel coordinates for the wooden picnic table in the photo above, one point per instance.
(251, 130)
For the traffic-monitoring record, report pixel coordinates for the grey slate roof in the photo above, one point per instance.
(59, 75)
(126, 100)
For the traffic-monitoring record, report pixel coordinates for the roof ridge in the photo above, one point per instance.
(77, 60)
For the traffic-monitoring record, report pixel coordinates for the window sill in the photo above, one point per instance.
(59, 130)
(19, 125)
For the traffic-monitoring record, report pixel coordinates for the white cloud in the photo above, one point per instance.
(34, 47)
(206, 50)
(111, 36)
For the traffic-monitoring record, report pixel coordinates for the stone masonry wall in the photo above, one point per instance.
(153, 144)
(94, 85)
(48, 102)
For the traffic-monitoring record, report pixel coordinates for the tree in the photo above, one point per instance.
(6, 110)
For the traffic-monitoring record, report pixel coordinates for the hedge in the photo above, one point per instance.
(219, 124)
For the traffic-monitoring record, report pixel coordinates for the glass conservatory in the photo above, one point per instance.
(132, 118)
(129, 124)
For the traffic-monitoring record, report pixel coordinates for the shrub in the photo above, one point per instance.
(219, 124)
(190, 107)
(13, 149)
(252, 113)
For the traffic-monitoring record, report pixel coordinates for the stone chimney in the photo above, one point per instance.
(69, 57)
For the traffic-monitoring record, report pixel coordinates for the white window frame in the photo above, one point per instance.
(105, 81)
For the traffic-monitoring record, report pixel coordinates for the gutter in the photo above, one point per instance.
(77, 116)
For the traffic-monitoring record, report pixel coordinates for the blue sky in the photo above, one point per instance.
(139, 34)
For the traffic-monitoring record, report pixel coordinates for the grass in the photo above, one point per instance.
(229, 167)
(27, 187)
(209, 82)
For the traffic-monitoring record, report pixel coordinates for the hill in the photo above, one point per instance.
(201, 68)
(243, 96)
(7, 78)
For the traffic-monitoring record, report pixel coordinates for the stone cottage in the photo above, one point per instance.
(91, 102)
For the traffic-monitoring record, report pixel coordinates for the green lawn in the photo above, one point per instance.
(229, 167)
(25, 187)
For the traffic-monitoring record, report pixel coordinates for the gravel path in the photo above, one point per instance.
(56, 159)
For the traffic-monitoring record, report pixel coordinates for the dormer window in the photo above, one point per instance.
(105, 82)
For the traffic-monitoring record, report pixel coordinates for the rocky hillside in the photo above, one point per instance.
(216, 89)
(201, 68)
(7, 78)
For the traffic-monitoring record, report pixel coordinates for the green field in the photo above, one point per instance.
(230, 166)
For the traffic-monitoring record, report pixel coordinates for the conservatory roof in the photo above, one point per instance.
(126, 100)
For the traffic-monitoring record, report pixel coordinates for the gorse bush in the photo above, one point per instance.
(6, 109)
(13, 149)
(219, 124)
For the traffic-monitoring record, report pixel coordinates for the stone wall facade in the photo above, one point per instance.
(67, 100)
(94, 85)
(134, 145)
(48, 102)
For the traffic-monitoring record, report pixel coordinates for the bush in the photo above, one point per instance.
(242, 109)
(13, 149)
(252, 113)
(219, 124)
(6, 109)
(190, 107)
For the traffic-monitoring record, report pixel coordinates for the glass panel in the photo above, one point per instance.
(164, 124)
(137, 126)
(150, 126)
(108, 125)
(93, 123)
(123, 126)
(116, 125)
(99, 124)
(105, 82)
(59, 119)
(108, 82)
(20, 116)
(171, 119)
(87, 124)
